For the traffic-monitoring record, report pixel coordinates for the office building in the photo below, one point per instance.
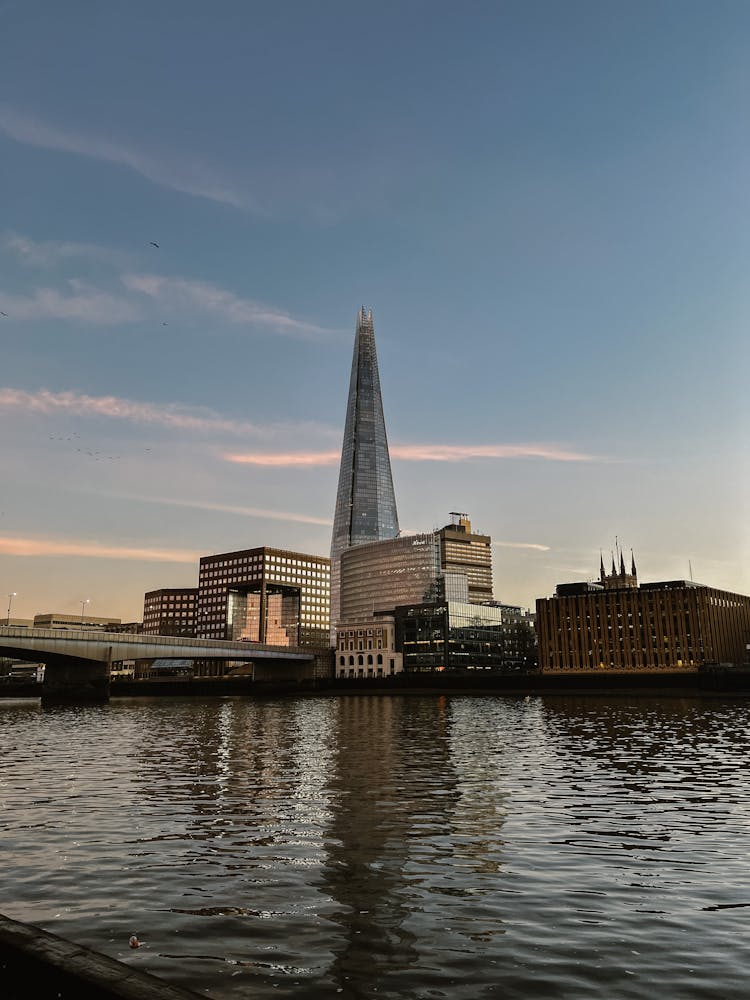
(74, 622)
(365, 499)
(170, 611)
(451, 635)
(381, 575)
(469, 554)
(617, 623)
(267, 595)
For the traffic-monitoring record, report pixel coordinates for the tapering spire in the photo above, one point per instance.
(365, 502)
(614, 571)
(622, 563)
(632, 564)
(601, 566)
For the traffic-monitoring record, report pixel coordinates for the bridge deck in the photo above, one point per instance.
(108, 647)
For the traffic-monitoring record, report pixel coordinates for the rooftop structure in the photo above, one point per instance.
(462, 551)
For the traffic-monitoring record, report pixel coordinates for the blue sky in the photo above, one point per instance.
(545, 204)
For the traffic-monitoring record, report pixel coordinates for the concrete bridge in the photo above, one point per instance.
(78, 662)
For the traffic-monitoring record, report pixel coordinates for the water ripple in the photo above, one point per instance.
(421, 847)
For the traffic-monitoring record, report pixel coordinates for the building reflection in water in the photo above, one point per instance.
(348, 841)
(416, 815)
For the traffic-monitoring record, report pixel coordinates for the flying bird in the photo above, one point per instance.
(3, 314)
(152, 244)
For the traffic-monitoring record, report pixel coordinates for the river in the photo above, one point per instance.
(389, 846)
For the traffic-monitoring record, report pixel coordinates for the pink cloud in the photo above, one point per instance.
(419, 453)
(523, 545)
(295, 458)
(11, 546)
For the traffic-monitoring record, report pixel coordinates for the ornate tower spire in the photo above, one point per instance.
(601, 567)
(365, 501)
(632, 564)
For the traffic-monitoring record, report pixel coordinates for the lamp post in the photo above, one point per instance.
(10, 602)
(83, 608)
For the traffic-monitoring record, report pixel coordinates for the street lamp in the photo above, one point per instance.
(10, 602)
(83, 608)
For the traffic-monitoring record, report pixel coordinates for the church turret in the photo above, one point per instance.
(619, 578)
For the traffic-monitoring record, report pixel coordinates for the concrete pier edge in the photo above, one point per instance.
(35, 962)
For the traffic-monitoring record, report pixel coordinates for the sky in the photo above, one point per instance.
(545, 204)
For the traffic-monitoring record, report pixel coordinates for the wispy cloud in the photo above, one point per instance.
(181, 173)
(419, 453)
(462, 453)
(47, 252)
(83, 304)
(44, 547)
(203, 420)
(181, 293)
(171, 416)
(223, 508)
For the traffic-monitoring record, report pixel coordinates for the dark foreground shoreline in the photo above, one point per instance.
(36, 963)
(713, 680)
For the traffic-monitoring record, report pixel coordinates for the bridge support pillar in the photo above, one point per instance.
(70, 679)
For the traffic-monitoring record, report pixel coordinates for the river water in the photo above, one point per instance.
(391, 847)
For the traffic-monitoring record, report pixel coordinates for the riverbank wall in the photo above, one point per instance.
(716, 680)
(35, 963)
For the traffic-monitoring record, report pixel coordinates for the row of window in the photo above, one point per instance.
(361, 661)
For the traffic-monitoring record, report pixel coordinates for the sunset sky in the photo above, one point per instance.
(545, 204)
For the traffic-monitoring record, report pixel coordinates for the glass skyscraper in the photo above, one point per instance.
(365, 501)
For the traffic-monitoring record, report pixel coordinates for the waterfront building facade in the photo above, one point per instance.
(367, 648)
(268, 595)
(365, 500)
(619, 624)
(170, 611)
(453, 635)
(467, 553)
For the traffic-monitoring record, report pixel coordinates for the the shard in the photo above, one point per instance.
(365, 501)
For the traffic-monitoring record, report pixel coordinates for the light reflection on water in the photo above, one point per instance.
(389, 846)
